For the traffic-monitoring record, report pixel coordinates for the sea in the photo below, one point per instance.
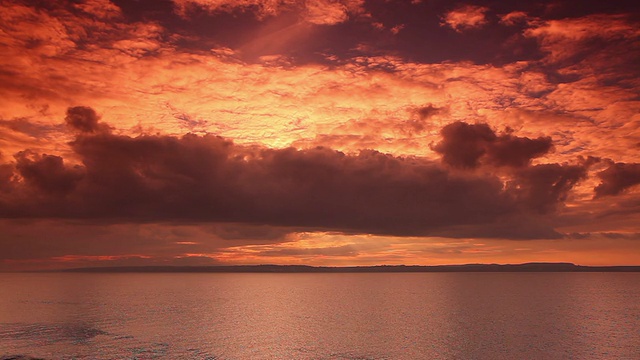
(320, 315)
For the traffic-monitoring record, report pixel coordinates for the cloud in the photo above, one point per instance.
(318, 12)
(513, 18)
(563, 39)
(465, 145)
(617, 178)
(26, 127)
(47, 173)
(273, 74)
(509, 150)
(210, 179)
(466, 17)
(231, 231)
(101, 9)
(609, 235)
(344, 250)
(427, 111)
(545, 186)
(283, 103)
(83, 119)
(263, 7)
(6, 178)
(82, 242)
(323, 12)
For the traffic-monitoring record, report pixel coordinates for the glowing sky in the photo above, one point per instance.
(320, 132)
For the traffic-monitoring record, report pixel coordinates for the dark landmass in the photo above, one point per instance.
(528, 267)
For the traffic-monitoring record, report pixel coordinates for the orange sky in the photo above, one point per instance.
(318, 132)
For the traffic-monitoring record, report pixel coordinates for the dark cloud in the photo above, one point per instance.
(248, 231)
(427, 111)
(210, 179)
(41, 239)
(509, 150)
(6, 175)
(467, 145)
(542, 187)
(626, 208)
(521, 225)
(420, 119)
(607, 235)
(84, 119)
(47, 172)
(617, 178)
(464, 144)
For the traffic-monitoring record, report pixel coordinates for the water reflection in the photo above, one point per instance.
(321, 316)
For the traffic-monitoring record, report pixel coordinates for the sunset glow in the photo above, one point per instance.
(348, 132)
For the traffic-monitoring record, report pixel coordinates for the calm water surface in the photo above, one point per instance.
(321, 316)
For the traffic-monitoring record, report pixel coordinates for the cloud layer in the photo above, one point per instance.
(210, 179)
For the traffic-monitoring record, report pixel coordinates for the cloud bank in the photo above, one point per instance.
(192, 178)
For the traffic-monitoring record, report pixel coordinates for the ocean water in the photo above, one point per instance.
(321, 316)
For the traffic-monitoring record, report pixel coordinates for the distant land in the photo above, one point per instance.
(527, 267)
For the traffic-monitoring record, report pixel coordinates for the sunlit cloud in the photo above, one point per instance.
(513, 18)
(466, 17)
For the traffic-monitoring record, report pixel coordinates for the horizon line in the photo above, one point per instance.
(298, 268)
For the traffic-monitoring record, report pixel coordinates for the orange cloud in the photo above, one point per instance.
(566, 37)
(513, 18)
(278, 104)
(466, 17)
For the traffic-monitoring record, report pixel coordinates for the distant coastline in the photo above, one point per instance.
(526, 267)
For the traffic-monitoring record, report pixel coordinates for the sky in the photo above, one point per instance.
(318, 132)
